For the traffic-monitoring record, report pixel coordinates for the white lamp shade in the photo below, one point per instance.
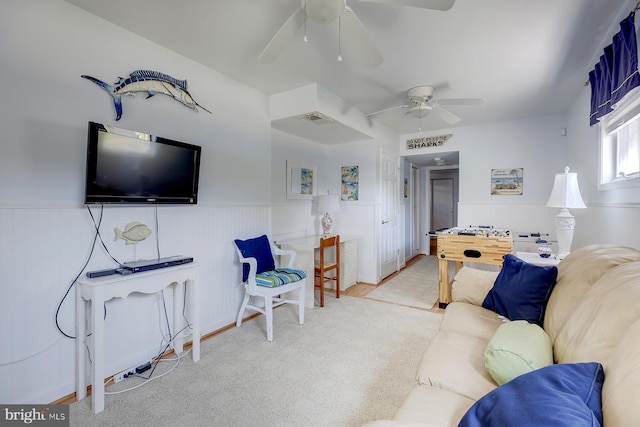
(566, 193)
(328, 203)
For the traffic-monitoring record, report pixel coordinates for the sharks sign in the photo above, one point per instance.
(427, 141)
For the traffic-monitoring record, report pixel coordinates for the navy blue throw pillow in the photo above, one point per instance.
(557, 395)
(521, 290)
(258, 248)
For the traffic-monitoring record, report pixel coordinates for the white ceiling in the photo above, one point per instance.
(525, 57)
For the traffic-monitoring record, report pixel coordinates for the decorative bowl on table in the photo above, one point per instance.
(544, 249)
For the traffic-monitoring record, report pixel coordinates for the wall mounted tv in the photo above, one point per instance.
(128, 167)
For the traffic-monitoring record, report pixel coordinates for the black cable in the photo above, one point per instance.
(93, 246)
(155, 360)
(97, 227)
(166, 317)
(184, 310)
(157, 232)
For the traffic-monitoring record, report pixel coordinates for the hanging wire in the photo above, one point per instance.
(339, 38)
(305, 23)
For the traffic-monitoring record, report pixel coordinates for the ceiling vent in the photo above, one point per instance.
(316, 117)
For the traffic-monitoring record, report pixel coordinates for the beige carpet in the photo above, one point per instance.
(415, 286)
(352, 362)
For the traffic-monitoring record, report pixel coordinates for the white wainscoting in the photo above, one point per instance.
(42, 250)
(615, 223)
(353, 219)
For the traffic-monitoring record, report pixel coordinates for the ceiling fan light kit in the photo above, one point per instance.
(322, 11)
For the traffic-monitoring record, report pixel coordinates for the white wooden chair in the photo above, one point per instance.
(262, 279)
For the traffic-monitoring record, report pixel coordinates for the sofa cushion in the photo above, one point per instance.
(621, 390)
(455, 361)
(258, 248)
(471, 320)
(471, 285)
(279, 277)
(516, 348)
(521, 290)
(557, 395)
(602, 317)
(433, 406)
(576, 274)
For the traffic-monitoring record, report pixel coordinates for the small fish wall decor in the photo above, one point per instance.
(134, 232)
(149, 82)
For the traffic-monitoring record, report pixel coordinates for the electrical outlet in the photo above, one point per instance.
(129, 372)
(124, 374)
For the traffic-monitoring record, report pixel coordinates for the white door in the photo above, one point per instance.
(389, 246)
(442, 204)
(415, 210)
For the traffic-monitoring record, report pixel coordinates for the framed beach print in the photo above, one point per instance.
(301, 181)
(350, 177)
(507, 181)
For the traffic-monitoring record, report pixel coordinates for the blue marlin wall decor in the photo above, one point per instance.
(151, 82)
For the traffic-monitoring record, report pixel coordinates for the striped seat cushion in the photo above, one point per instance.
(279, 277)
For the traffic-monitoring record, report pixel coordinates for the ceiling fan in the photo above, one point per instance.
(421, 103)
(326, 11)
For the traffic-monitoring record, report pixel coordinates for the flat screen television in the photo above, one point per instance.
(128, 167)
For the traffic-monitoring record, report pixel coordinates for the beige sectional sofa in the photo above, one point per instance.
(592, 315)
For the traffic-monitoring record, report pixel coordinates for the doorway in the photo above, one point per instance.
(444, 198)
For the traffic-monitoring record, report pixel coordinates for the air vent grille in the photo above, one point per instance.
(316, 117)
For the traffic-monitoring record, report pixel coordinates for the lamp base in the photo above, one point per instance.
(565, 224)
(326, 222)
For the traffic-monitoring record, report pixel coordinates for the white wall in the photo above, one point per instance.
(357, 218)
(534, 144)
(611, 216)
(47, 233)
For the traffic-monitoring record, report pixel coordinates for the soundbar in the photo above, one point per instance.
(140, 266)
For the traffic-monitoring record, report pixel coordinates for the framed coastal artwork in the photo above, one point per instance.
(507, 181)
(350, 176)
(301, 181)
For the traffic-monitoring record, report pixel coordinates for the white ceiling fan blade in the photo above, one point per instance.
(445, 115)
(425, 4)
(355, 33)
(462, 101)
(387, 109)
(284, 35)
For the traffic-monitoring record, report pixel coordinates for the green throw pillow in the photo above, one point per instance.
(516, 348)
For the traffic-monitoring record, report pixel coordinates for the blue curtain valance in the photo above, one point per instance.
(616, 73)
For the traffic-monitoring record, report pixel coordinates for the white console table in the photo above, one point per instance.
(306, 249)
(534, 258)
(95, 292)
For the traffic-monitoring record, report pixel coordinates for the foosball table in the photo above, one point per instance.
(482, 245)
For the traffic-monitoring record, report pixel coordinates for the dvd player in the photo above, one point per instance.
(154, 264)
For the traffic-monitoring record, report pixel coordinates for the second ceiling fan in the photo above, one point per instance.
(326, 11)
(421, 103)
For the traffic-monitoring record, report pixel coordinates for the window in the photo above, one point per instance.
(620, 145)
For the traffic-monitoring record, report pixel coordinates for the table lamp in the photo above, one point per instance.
(565, 195)
(328, 204)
